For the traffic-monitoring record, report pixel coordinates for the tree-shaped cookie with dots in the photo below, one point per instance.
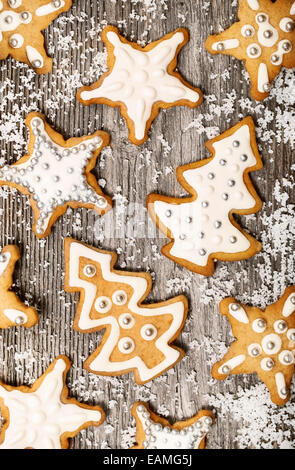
(137, 336)
(202, 227)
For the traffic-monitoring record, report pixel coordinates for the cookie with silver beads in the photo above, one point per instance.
(265, 344)
(202, 227)
(13, 312)
(155, 432)
(263, 38)
(138, 337)
(21, 23)
(57, 174)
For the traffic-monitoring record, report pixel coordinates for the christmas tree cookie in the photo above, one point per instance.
(202, 227)
(265, 344)
(142, 80)
(264, 38)
(138, 336)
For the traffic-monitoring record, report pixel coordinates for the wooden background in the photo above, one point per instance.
(130, 172)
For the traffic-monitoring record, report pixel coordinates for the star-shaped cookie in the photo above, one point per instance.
(264, 38)
(13, 312)
(141, 80)
(57, 173)
(21, 23)
(265, 344)
(155, 432)
(42, 416)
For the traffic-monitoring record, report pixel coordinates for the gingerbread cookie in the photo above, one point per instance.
(264, 38)
(57, 173)
(138, 337)
(13, 312)
(21, 23)
(42, 416)
(141, 80)
(202, 227)
(154, 432)
(265, 344)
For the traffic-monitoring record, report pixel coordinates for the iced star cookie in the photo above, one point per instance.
(57, 173)
(142, 80)
(138, 336)
(264, 38)
(154, 432)
(265, 344)
(43, 416)
(13, 312)
(21, 23)
(202, 227)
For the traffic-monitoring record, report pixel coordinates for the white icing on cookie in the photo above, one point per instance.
(238, 312)
(284, 47)
(267, 34)
(54, 175)
(202, 227)
(50, 7)
(253, 4)
(292, 9)
(34, 57)
(16, 316)
(39, 419)
(263, 79)
(140, 79)
(226, 44)
(289, 306)
(271, 343)
(102, 362)
(281, 385)
(157, 437)
(231, 364)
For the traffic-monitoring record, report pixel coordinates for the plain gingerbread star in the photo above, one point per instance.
(155, 432)
(265, 344)
(13, 312)
(264, 38)
(21, 23)
(42, 416)
(141, 80)
(57, 173)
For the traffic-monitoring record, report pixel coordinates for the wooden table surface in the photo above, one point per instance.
(245, 415)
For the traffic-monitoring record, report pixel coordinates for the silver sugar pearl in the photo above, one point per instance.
(222, 162)
(274, 58)
(225, 196)
(233, 239)
(270, 345)
(217, 224)
(235, 307)
(268, 33)
(37, 63)
(261, 18)
(211, 176)
(8, 19)
(244, 157)
(231, 183)
(57, 3)
(202, 252)
(220, 46)
(205, 204)
(25, 15)
(182, 236)
(19, 320)
(236, 143)
(267, 87)
(287, 46)
(225, 370)
(13, 42)
(290, 26)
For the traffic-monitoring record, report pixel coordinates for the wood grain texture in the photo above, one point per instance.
(39, 274)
